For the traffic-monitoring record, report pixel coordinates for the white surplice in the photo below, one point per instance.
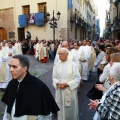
(37, 50)
(76, 52)
(67, 99)
(84, 54)
(10, 50)
(5, 72)
(18, 48)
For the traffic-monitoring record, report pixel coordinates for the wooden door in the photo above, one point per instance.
(21, 34)
(3, 34)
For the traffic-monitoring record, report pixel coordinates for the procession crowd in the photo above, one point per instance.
(74, 62)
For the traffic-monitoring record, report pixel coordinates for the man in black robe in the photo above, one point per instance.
(26, 93)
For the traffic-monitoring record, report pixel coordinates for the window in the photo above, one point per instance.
(42, 7)
(26, 9)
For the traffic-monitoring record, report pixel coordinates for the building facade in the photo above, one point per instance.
(77, 19)
(112, 28)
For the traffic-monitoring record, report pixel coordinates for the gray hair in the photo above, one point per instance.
(64, 49)
(115, 71)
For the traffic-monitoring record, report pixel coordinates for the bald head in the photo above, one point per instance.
(65, 45)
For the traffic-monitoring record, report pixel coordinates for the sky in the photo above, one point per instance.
(102, 5)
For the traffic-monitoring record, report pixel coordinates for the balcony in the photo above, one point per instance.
(89, 28)
(116, 25)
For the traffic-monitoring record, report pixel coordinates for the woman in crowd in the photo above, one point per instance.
(99, 58)
(108, 107)
(52, 50)
(115, 57)
(109, 51)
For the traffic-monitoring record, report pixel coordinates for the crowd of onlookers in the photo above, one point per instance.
(102, 56)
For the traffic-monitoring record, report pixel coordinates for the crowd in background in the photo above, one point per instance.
(88, 55)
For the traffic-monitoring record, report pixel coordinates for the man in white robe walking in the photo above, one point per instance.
(10, 51)
(18, 47)
(66, 79)
(5, 77)
(84, 54)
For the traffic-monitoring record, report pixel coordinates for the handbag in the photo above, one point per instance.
(94, 93)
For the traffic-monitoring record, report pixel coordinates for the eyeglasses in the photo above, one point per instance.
(61, 53)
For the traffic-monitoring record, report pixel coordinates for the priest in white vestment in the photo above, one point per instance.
(66, 79)
(4, 45)
(75, 52)
(92, 57)
(18, 47)
(84, 54)
(10, 51)
(71, 56)
(59, 46)
(40, 51)
(37, 49)
(5, 75)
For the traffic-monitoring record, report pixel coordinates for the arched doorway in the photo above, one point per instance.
(3, 34)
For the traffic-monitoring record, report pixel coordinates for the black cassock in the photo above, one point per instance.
(32, 97)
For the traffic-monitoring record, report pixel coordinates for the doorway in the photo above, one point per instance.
(21, 34)
(3, 34)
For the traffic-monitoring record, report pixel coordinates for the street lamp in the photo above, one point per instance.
(53, 22)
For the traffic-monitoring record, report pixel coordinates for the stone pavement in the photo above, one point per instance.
(44, 72)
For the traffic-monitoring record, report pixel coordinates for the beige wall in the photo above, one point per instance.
(7, 16)
(44, 32)
(77, 4)
(7, 19)
(6, 4)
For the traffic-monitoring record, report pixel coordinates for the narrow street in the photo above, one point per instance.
(44, 72)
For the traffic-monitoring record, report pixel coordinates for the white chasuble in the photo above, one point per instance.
(67, 99)
(84, 53)
(5, 75)
(3, 72)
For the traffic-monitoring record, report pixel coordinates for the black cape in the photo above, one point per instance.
(32, 98)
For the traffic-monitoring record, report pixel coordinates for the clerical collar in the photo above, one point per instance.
(64, 61)
(19, 81)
